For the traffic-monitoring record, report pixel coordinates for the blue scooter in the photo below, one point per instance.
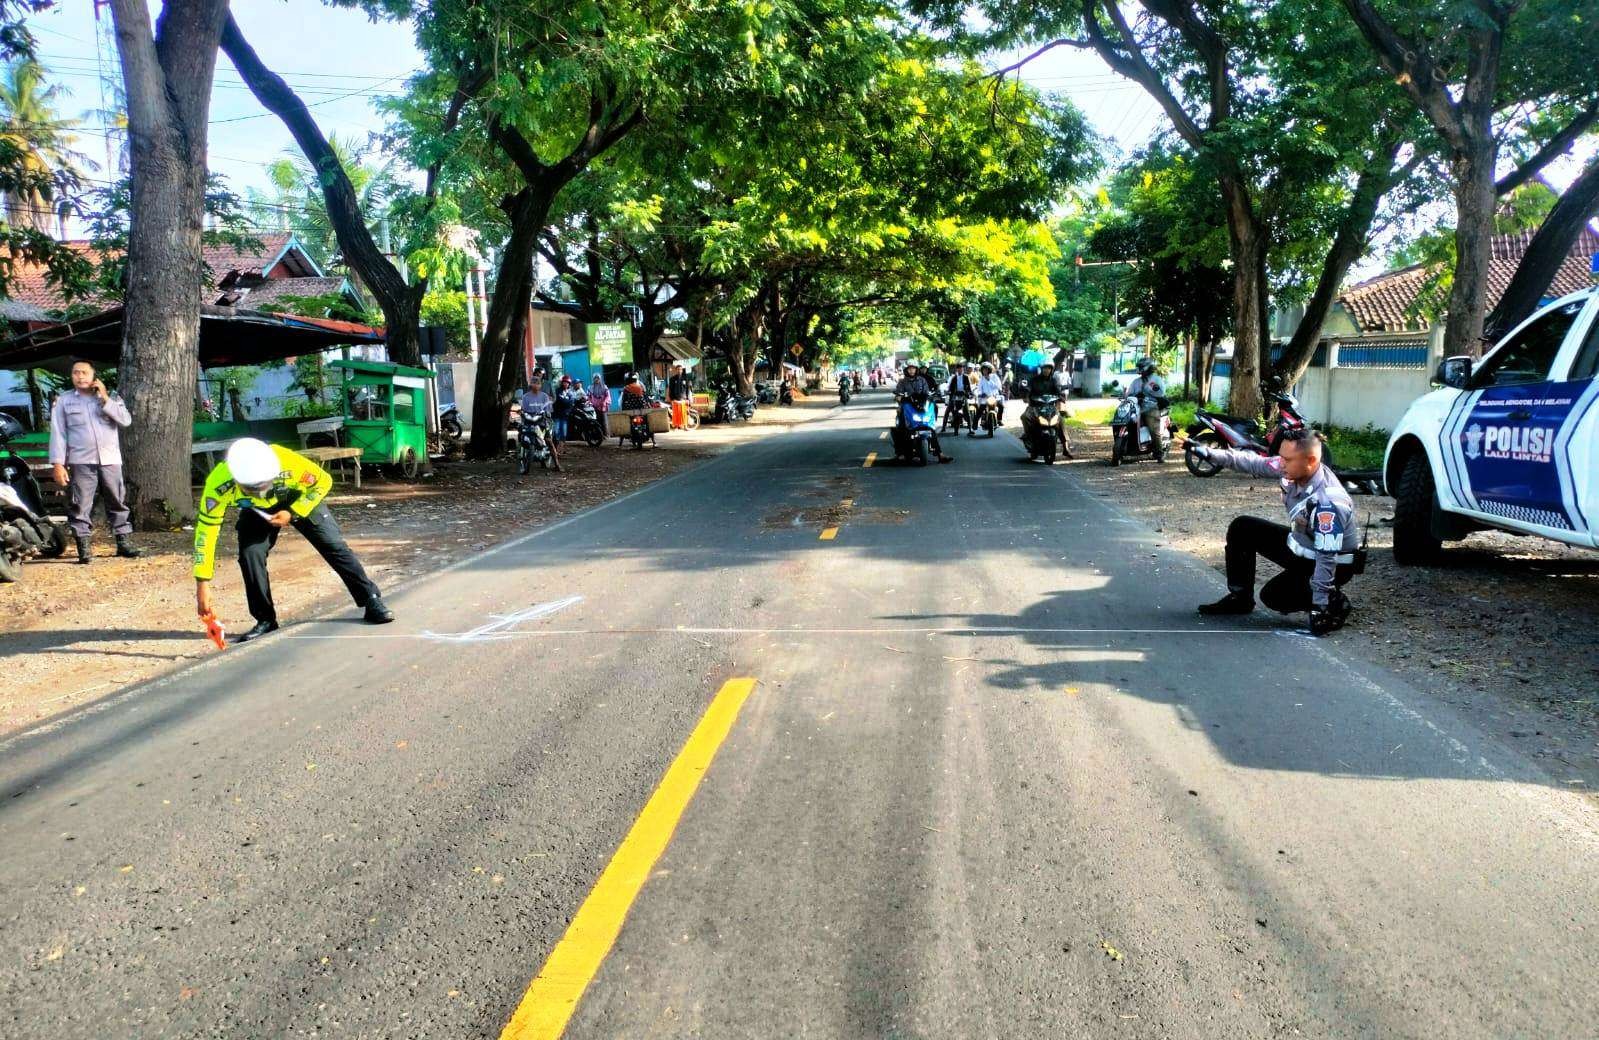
(915, 419)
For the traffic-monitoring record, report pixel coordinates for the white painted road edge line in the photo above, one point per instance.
(689, 630)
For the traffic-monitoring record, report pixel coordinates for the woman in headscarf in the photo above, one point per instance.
(599, 394)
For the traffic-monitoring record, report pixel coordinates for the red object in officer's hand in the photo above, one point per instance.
(213, 629)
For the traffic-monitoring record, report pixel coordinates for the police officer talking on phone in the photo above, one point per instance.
(1318, 550)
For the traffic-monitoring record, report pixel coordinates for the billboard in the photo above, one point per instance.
(610, 344)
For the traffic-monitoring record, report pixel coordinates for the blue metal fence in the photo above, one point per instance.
(1402, 354)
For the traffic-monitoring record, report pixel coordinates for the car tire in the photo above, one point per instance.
(1415, 501)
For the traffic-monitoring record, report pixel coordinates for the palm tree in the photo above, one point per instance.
(32, 128)
(296, 203)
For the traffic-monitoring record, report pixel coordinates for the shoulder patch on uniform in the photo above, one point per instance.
(211, 504)
(224, 487)
(1328, 527)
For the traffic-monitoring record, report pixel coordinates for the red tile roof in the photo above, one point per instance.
(1383, 303)
(29, 285)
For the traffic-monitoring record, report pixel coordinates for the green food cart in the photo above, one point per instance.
(385, 413)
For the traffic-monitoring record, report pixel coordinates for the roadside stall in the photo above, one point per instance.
(228, 336)
(385, 414)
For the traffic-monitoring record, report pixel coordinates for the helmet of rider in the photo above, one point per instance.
(1047, 363)
(252, 463)
(911, 367)
(988, 369)
(10, 428)
(1146, 366)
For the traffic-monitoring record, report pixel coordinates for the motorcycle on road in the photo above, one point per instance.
(534, 444)
(1130, 438)
(1044, 439)
(915, 418)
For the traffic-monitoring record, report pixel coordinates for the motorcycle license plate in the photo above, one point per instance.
(1143, 435)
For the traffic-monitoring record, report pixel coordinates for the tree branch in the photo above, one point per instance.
(1552, 149)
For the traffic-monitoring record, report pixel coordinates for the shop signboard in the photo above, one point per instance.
(610, 344)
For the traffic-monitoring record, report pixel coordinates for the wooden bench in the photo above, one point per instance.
(323, 456)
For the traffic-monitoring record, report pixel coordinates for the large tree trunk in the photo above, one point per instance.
(401, 303)
(167, 74)
(1248, 246)
(1546, 252)
(527, 210)
(1348, 244)
(1474, 229)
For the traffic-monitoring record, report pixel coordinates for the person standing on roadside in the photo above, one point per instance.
(86, 451)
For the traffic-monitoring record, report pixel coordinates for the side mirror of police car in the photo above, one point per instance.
(1454, 372)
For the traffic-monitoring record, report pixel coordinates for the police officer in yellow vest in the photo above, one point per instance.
(274, 488)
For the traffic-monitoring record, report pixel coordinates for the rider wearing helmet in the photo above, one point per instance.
(1149, 390)
(912, 382)
(274, 488)
(1044, 382)
(989, 385)
(633, 393)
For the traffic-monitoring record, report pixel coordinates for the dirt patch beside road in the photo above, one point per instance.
(74, 634)
(1507, 629)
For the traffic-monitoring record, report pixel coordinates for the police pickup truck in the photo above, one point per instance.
(1509, 443)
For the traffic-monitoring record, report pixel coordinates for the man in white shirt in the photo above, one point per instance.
(989, 386)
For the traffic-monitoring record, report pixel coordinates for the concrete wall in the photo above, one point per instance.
(1359, 397)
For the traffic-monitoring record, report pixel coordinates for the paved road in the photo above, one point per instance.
(995, 780)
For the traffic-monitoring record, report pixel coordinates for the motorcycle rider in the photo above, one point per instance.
(1042, 384)
(959, 392)
(1149, 389)
(989, 386)
(275, 488)
(912, 382)
(1319, 550)
(633, 393)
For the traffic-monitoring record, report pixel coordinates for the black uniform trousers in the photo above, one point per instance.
(257, 537)
(1288, 592)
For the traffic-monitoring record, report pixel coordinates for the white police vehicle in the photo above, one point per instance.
(1510, 443)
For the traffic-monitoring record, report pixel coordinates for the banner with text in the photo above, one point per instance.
(610, 344)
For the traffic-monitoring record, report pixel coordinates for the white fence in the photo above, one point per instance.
(1364, 382)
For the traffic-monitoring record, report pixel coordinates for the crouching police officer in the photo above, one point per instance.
(1319, 550)
(275, 488)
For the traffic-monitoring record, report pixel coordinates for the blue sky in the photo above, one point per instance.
(338, 60)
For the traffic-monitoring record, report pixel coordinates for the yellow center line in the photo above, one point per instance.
(871, 457)
(829, 533)
(553, 995)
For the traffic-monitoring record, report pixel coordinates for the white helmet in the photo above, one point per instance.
(252, 462)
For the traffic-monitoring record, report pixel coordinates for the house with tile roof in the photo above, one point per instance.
(265, 274)
(264, 271)
(1378, 352)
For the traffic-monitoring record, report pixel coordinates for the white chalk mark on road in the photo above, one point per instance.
(500, 626)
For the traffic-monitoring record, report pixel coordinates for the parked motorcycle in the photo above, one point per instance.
(785, 394)
(25, 529)
(915, 418)
(1130, 438)
(450, 423)
(534, 443)
(583, 423)
(1216, 430)
(732, 405)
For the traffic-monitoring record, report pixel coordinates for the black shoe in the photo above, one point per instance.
(261, 628)
(83, 547)
(946, 458)
(377, 613)
(126, 549)
(1232, 603)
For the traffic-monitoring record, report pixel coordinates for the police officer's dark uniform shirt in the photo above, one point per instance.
(1321, 516)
